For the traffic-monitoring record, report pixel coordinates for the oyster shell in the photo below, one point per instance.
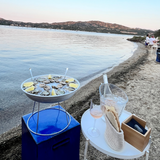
(56, 80)
(35, 91)
(57, 77)
(46, 81)
(52, 80)
(70, 89)
(41, 79)
(45, 93)
(59, 92)
(63, 82)
(59, 86)
(35, 83)
(47, 88)
(42, 85)
(55, 87)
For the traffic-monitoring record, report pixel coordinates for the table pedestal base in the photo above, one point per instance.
(58, 108)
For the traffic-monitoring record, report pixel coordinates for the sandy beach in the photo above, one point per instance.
(138, 76)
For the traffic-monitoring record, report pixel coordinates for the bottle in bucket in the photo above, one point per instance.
(112, 96)
(106, 96)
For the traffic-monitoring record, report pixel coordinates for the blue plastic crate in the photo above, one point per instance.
(158, 55)
(64, 145)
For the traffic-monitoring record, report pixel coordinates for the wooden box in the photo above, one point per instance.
(132, 136)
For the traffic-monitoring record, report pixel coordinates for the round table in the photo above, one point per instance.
(128, 152)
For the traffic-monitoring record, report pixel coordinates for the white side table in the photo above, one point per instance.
(128, 152)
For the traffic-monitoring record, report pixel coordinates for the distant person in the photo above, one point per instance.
(147, 40)
(152, 41)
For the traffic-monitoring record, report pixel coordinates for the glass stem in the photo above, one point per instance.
(94, 126)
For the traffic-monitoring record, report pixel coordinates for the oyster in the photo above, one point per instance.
(45, 93)
(41, 79)
(52, 80)
(42, 85)
(63, 82)
(56, 80)
(35, 83)
(35, 91)
(70, 89)
(59, 86)
(46, 81)
(57, 77)
(55, 87)
(47, 88)
(59, 92)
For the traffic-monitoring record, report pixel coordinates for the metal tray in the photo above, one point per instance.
(50, 99)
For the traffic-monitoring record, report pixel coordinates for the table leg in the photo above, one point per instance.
(147, 155)
(33, 107)
(38, 117)
(65, 110)
(86, 149)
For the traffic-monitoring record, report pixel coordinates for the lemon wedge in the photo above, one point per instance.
(73, 85)
(29, 89)
(49, 77)
(53, 92)
(70, 80)
(28, 84)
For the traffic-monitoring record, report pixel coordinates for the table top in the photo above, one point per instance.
(128, 152)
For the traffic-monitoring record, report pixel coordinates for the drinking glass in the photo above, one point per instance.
(96, 112)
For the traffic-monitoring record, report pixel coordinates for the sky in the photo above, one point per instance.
(143, 14)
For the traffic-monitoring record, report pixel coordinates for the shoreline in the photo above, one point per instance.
(11, 140)
(116, 71)
(99, 73)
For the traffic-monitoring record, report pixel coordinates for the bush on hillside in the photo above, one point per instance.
(157, 33)
(137, 39)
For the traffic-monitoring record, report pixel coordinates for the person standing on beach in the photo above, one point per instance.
(147, 40)
(152, 41)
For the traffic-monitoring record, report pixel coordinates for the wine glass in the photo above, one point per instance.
(96, 112)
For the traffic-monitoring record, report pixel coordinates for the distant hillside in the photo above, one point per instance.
(90, 26)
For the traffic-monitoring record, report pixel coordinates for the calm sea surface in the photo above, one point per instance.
(86, 54)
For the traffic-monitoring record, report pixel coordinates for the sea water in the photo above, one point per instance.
(48, 51)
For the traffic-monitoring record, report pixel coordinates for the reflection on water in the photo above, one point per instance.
(51, 51)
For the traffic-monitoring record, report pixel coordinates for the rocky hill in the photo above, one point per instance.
(90, 26)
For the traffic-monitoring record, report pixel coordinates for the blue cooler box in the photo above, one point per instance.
(62, 146)
(158, 55)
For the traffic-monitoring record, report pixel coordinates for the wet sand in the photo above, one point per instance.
(138, 77)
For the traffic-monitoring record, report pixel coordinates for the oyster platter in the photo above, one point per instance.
(50, 88)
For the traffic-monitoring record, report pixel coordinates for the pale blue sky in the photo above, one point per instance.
(136, 13)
